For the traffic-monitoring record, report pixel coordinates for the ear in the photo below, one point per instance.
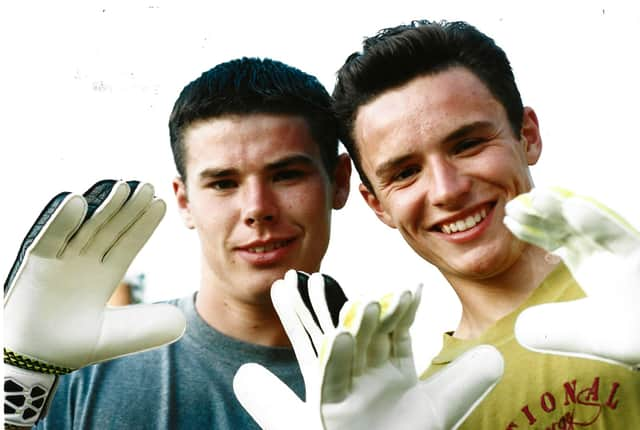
(530, 135)
(180, 191)
(376, 206)
(341, 181)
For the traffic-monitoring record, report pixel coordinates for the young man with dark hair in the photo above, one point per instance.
(255, 145)
(434, 122)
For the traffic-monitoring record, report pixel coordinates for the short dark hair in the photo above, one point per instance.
(396, 55)
(249, 86)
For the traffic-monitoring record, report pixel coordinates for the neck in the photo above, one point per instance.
(485, 301)
(253, 322)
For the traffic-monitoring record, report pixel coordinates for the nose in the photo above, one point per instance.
(449, 187)
(260, 204)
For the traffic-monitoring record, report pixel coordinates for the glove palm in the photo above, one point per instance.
(55, 307)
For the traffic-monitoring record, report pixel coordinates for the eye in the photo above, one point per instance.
(405, 173)
(222, 184)
(466, 144)
(289, 174)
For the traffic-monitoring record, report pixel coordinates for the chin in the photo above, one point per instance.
(494, 266)
(260, 282)
(268, 277)
(483, 264)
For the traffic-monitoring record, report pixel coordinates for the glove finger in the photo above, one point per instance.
(130, 329)
(104, 199)
(266, 398)
(298, 289)
(536, 217)
(548, 201)
(111, 231)
(335, 298)
(544, 328)
(49, 234)
(406, 321)
(401, 347)
(281, 296)
(337, 367)
(522, 210)
(532, 235)
(457, 389)
(327, 298)
(53, 236)
(602, 225)
(361, 320)
(393, 308)
(134, 238)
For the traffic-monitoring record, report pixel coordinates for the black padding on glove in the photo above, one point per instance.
(333, 292)
(40, 222)
(94, 196)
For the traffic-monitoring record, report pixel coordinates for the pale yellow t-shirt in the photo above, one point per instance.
(545, 391)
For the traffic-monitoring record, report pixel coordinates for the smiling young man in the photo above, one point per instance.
(259, 195)
(256, 149)
(434, 122)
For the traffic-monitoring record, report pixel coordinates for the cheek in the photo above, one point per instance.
(407, 206)
(310, 210)
(512, 165)
(307, 201)
(212, 217)
(519, 179)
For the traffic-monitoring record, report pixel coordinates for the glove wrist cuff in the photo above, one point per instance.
(27, 395)
(17, 360)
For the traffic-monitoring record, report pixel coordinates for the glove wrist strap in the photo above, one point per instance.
(27, 395)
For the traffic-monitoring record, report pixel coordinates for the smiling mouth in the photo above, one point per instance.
(269, 247)
(463, 224)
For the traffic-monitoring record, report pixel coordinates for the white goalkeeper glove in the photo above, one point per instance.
(602, 251)
(55, 314)
(365, 377)
(317, 301)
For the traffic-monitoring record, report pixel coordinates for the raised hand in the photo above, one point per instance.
(364, 377)
(308, 308)
(56, 316)
(602, 251)
(370, 380)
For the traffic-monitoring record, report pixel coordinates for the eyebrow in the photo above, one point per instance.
(467, 129)
(291, 160)
(213, 172)
(222, 172)
(390, 165)
(458, 133)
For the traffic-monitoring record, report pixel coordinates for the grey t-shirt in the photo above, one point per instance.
(185, 385)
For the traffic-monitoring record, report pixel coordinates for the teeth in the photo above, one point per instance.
(466, 224)
(268, 247)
